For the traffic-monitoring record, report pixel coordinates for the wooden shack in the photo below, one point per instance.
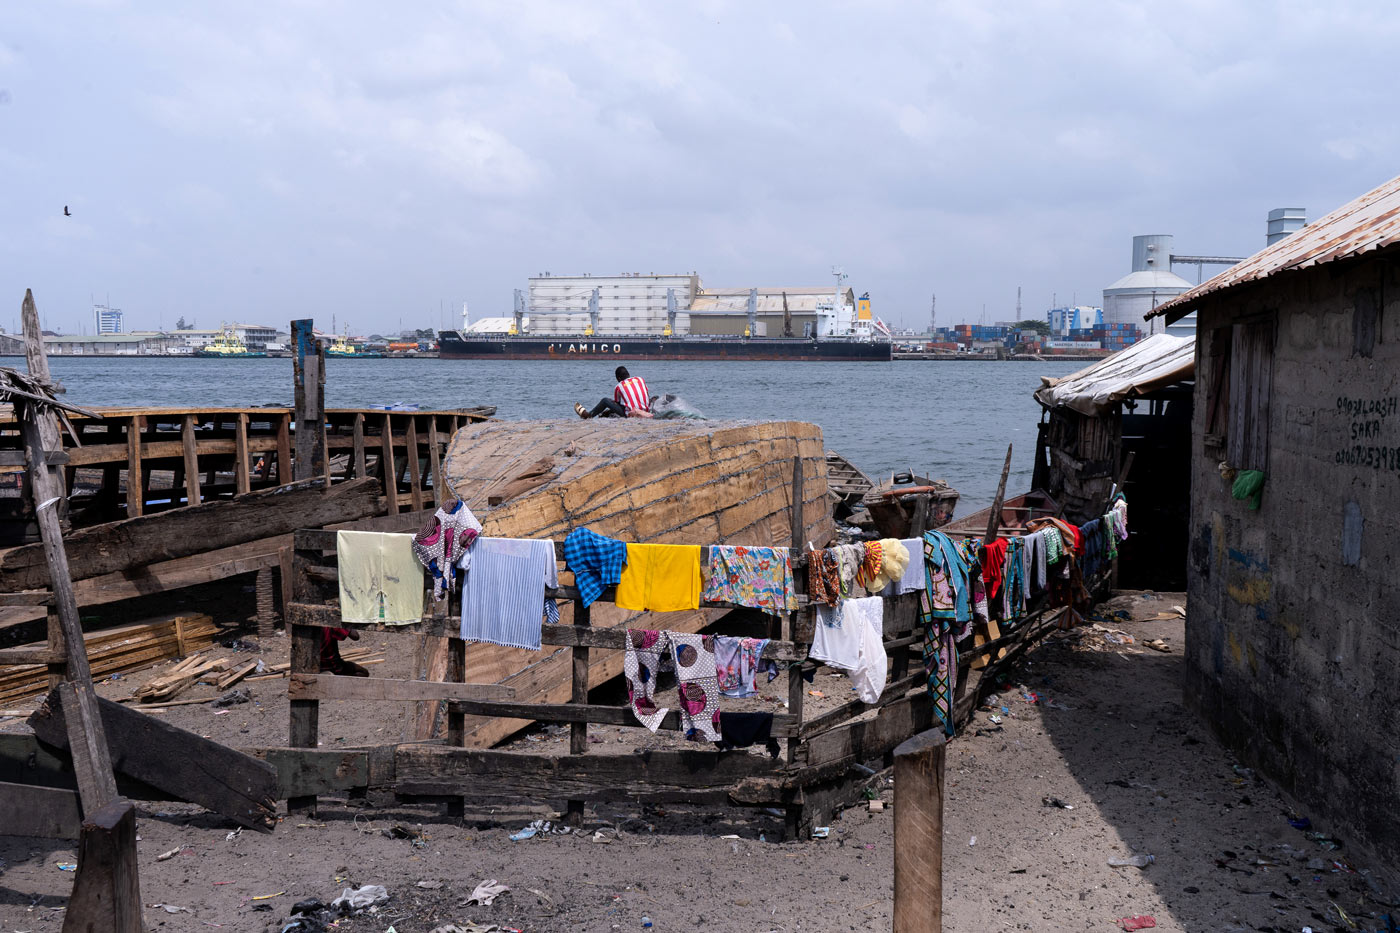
(1125, 422)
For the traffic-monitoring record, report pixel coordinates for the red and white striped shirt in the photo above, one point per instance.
(632, 393)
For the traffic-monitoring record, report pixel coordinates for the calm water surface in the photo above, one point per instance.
(951, 420)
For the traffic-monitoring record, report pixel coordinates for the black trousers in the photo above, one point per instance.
(608, 408)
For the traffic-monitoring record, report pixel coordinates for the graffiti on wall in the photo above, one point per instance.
(1370, 422)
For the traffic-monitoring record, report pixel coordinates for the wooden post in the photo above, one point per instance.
(991, 631)
(456, 721)
(58, 668)
(305, 718)
(415, 464)
(792, 813)
(192, 493)
(309, 372)
(359, 442)
(386, 464)
(107, 892)
(918, 833)
(435, 463)
(578, 732)
(135, 485)
(284, 449)
(994, 521)
(242, 483)
(38, 363)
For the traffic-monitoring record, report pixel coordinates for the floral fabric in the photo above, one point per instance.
(757, 577)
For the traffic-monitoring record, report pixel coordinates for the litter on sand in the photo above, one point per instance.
(1142, 922)
(486, 892)
(170, 908)
(539, 827)
(357, 899)
(821, 832)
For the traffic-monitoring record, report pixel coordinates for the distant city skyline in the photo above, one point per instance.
(378, 164)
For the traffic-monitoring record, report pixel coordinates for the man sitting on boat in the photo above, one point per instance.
(630, 399)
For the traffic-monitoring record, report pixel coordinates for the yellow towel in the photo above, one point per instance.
(381, 580)
(660, 577)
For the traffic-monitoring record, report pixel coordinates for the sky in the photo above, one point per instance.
(383, 163)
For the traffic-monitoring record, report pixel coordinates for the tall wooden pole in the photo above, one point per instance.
(309, 371)
(918, 833)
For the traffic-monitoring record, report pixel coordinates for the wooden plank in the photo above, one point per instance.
(386, 463)
(415, 464)
(358, 444)
(302, 686)
(37, 655)
(107, 892)
(135, 506)
(305, 716)
(182, 532)
(439, 769)
(305, 772)
(187, 441)
(241, 480)
(918, 833)
(578, 694)
(44, 812)
(871, 738)
(284, 449)
(783, 725)
(435, 463)
(181, 763)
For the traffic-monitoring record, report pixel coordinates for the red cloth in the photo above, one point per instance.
(993, 562)
(632, 393)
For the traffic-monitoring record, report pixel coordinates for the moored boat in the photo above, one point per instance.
(227, 346)
(1016, 512)
(907, 504)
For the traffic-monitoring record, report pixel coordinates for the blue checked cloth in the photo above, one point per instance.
(596, 562)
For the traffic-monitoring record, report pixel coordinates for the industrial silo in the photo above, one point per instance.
(1128, 300)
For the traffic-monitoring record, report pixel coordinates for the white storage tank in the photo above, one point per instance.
(1128, 300)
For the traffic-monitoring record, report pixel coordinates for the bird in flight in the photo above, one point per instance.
(65, 211)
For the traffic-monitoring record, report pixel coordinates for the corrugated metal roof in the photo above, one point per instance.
(1149, 364)
(1370, 222)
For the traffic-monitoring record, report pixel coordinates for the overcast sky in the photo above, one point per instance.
(378, 161)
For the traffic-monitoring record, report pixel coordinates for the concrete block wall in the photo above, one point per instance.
(1293, 627)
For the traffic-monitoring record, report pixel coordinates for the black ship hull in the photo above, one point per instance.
(452, 346)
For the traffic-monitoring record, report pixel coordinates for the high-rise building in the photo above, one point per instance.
(108, 320)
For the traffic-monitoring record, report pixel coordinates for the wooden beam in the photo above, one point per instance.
(358, 443)
(309, 376)
(306, 771)
(107, 892)
(136, 542)
(440, 769)
(918, 833)
(181, 763)
(304, 720)
(783, 725)
(191, 454)
(135, 505)
(435, 463)
(331, 687)
(240, 455)
(415, 464)
(386, 464)
(284, 448)
(45, 812)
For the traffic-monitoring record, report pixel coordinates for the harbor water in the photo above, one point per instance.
(948, 420)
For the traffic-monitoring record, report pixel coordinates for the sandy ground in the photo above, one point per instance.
(1106, 734)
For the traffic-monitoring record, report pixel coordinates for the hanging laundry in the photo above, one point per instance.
(849, 557)
(737, 662)
(1038, 548)
(824, 577)
(850, 637)
(698, 687)
(1013, 594)
(872, 562)
(757, 577)
(441, 543)
(595, 561)
(740, 730)
(503, 594)
(1119, 507)
(381, 580)
(946, 604)
(913, 579)
(1093, 555)
(647, 654)
(660, 578)
(895, 561)
(993, 560)
(1027, 569)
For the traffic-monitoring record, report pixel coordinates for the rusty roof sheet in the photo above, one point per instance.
(1370, 222)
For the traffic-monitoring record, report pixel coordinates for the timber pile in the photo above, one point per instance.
(116, 651)
(668, 482)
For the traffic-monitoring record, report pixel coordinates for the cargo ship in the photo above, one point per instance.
(672, 317)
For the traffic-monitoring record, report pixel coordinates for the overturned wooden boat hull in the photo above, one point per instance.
(669, 482)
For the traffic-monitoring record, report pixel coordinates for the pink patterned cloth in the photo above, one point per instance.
(443, 541)
(693, 659)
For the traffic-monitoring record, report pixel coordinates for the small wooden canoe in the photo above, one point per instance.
(846, 484)
(894, 505)
(1015, 513)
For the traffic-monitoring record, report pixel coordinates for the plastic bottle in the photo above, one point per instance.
(1136, 861)
(646, 923)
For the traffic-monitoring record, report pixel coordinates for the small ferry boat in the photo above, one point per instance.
(227, 346)
(344, 349)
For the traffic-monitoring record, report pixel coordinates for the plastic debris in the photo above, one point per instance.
(995, 718)
(266, 897)
(646, 923)
(169, 855)
(821, 832)
(1135, 861)
(353, 900)
(234, 835)
(309, 906)
(429, 885)
(170, 908)
(540, 828)
(1056, 802)
(67, 866)
(466, 927)
(234, 697)
(486, 892)
(1301, 822)
(528, 832)
(972, 841)
(1141, 922)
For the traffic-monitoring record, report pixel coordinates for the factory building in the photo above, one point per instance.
(1150, 283)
